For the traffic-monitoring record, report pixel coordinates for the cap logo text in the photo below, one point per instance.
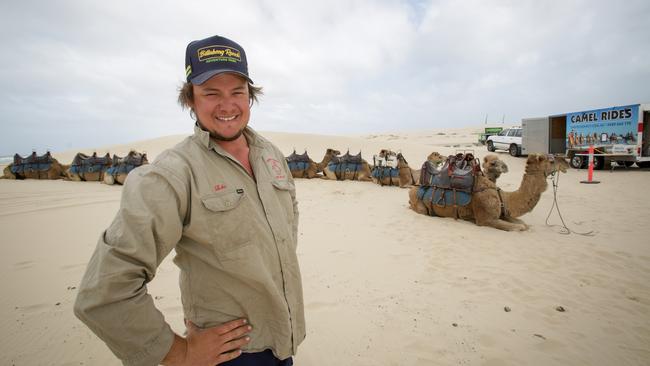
(218, 53)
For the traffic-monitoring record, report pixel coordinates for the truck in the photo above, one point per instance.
(618, 134)
(487, 132)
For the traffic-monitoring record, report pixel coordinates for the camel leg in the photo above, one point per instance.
(364, 178)
(516, 221)
(415, 204)
(328, 174)
(503, 225)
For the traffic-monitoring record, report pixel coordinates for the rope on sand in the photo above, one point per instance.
(555, 179)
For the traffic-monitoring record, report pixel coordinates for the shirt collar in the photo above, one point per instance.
(203, 136)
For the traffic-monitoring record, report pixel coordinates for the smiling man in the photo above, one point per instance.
(225, 201)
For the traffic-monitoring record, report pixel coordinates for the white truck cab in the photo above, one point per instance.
(509, 140)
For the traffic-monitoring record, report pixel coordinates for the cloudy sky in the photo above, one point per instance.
(78, 74)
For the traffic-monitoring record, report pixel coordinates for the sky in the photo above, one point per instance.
(83, 74)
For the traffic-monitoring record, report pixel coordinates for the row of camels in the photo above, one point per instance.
(406, 177)
(488, 205)
(88, 168)
(485, 204)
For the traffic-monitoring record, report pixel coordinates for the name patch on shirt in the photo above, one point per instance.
(276, 168)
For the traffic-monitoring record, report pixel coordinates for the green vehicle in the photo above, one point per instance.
(489, 131)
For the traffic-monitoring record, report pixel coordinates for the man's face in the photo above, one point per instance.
(222, 106)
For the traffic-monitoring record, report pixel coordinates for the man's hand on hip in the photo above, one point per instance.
(209, 346)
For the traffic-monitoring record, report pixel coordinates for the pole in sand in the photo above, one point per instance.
(590, 173)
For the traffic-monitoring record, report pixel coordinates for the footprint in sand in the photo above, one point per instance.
(23, 265)
(31, 309)
(72, 267)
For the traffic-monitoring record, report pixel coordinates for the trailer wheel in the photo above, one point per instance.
(490, 146)
(578, 162)
(625, 163)
(514, 150)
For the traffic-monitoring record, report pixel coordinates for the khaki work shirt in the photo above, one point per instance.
(235, 239)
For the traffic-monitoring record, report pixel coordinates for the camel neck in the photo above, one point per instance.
(524, 199)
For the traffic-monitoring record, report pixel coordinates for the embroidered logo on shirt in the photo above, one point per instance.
(219, 187)
(276, 168)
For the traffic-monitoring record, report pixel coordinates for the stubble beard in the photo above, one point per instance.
(219, 137)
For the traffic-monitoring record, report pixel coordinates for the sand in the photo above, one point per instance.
(382, 284)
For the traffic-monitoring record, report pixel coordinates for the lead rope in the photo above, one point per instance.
(555, 179)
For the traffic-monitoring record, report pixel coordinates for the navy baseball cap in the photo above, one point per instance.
(211, 56)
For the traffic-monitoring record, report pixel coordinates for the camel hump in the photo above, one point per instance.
(387, 161)
(298, 158)
(351, 159)
(457, 173)
(123, 166)
(83, 163)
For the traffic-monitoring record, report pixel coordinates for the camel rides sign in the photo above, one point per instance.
(603, 127)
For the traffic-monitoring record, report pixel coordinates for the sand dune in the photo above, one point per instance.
(383, 285)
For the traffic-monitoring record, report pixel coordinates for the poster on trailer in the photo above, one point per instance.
(602, 127)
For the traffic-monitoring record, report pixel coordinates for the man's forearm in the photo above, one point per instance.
(177, 352)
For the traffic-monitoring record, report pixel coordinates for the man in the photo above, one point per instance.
(225, 201)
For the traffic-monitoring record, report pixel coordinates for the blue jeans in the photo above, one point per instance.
(265, 358)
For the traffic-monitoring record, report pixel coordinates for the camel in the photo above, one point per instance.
(393, 170)
(486, 198)
(402, 174)
(88, 168)
(35, 167)
(121, 167)
(348, 167)
(313, 168)
(493, 167)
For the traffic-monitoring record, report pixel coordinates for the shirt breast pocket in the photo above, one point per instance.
(226, 218)
(283, 191)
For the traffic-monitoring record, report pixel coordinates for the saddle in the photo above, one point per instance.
(452, 184)
(83, 164)
(32, 163)
(346, 164)
(385, 167)
(298, 162)
(457, 173)
(126, 164)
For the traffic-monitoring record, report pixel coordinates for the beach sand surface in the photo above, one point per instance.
(382, 284)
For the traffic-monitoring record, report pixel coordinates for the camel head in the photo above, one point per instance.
(493, 166)
(547, 164)
(331, 152)
(436, 158)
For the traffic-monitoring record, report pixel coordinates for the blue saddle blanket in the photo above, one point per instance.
(344, 167)
(297, 165)
(88, 168)
(443, 197)
(380, 172)
(120, 169)
(30, 167)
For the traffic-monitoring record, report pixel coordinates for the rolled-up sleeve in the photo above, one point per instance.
(112, 299)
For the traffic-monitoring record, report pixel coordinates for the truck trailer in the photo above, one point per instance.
(620, 134)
